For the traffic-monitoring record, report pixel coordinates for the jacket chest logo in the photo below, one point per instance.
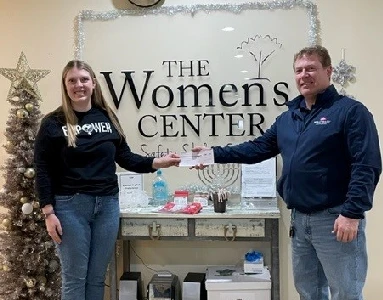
(322, 121)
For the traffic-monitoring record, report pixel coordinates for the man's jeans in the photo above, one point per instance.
(90, 226)
(321, 263)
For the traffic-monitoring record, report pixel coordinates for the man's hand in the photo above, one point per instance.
(198, 149)
(345, 229)
(166, 161)
(54, 228)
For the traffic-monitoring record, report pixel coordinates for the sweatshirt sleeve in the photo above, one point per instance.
(130, 161)
(366, 165)
(43, 153)
(250, 152)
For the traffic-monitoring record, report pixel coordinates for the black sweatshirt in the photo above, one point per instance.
(90, 167)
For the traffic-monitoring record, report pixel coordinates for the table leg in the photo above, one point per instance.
(275, 288)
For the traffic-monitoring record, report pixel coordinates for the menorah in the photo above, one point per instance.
(220, 176)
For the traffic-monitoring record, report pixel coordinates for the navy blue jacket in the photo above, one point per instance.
(330, 155)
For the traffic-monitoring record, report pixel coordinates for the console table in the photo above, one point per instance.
(235, 225)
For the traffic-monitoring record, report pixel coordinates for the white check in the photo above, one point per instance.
(191, 159)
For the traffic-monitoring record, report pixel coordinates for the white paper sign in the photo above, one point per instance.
(129, 183)
(259, 180)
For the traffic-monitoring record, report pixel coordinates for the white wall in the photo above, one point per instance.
(43, 29)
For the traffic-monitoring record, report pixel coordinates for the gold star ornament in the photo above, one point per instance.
(23, 75)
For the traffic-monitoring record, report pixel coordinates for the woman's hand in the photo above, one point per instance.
(166, 161)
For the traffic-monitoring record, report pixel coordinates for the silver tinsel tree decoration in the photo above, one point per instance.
(29, 267)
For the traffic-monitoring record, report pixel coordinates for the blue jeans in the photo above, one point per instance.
(321, 263)
(90, 227)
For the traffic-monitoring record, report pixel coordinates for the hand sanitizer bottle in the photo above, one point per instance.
(160, 189)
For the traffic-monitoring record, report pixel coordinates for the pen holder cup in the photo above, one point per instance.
(219, 204)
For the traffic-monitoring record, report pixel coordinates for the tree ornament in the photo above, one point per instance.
(48, 245)
(36, 204)
(48, 292)
(343, 74)
(41, 279)
(29, 173)
(23, 72)
(29, 107)
(22, 113)
(6, 268)
(6, 222)
(27, 208)
(9, 145)
(30, 282)
(21, 170)
(53, 266)
(24, 199)
(32, 226)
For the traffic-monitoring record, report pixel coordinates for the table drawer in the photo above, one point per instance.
(242, 290)
(239, 295)
(230, 228)
(154, 228)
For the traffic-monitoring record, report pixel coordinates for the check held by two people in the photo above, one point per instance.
(198, 157)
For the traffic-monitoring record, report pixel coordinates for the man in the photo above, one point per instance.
(331, 166)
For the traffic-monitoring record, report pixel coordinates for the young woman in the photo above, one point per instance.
(76, 149)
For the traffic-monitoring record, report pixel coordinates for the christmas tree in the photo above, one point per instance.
(29, 266)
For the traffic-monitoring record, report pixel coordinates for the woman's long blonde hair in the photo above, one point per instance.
(97, 100)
